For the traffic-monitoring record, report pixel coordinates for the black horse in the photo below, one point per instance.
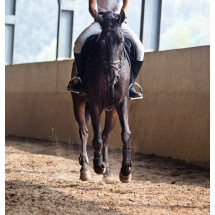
(106, 80)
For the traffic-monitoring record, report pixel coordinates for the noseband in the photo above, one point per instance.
(117, 64)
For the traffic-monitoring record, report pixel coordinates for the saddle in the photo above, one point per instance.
(91, 45)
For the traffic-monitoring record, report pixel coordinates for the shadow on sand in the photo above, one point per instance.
(34, 198)
(145, 167)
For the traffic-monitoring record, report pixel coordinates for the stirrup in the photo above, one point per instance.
(76, 79)
(141, 91)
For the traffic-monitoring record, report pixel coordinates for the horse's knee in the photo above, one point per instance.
(83, 133)
(126, 137)
(105, 139)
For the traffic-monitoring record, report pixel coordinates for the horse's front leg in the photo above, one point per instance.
(125, 173)
(79, 105)
(97, 143)
(110, 121)
(83, 159)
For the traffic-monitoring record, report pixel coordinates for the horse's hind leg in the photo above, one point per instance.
(125, 173)
(79, 105)
(98, 164)
(110, 121)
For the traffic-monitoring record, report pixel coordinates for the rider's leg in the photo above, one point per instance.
(93, 29)
(138, 61)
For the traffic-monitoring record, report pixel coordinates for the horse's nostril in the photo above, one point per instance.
(117, 77)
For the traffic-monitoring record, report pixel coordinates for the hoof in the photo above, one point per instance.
(125, 179)
(100, 170)
(85, 175)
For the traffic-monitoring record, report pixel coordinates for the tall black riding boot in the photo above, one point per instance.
(75, 84)
(132, 94)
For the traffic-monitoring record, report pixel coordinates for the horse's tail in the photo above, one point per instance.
(87, 114)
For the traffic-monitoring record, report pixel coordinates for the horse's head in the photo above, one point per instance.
(111, 44)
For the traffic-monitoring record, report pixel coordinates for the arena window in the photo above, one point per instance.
(184, 24)
(10, 18)
(150, 24)
(45, 30)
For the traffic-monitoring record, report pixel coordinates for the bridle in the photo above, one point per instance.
(117, 65)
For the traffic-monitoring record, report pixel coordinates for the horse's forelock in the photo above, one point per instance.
(110, 20)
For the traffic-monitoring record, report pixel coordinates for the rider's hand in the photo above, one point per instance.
(122, 16)
(98, 18)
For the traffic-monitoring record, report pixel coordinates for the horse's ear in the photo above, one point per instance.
(121, 17)
(98, 18)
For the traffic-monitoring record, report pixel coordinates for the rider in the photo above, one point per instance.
(118, 7)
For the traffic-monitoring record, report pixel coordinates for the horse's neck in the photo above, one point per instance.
(96, 71)
(97, 61)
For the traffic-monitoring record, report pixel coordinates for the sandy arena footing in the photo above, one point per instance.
(43, 178)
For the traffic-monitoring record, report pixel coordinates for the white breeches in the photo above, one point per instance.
(95, 28)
